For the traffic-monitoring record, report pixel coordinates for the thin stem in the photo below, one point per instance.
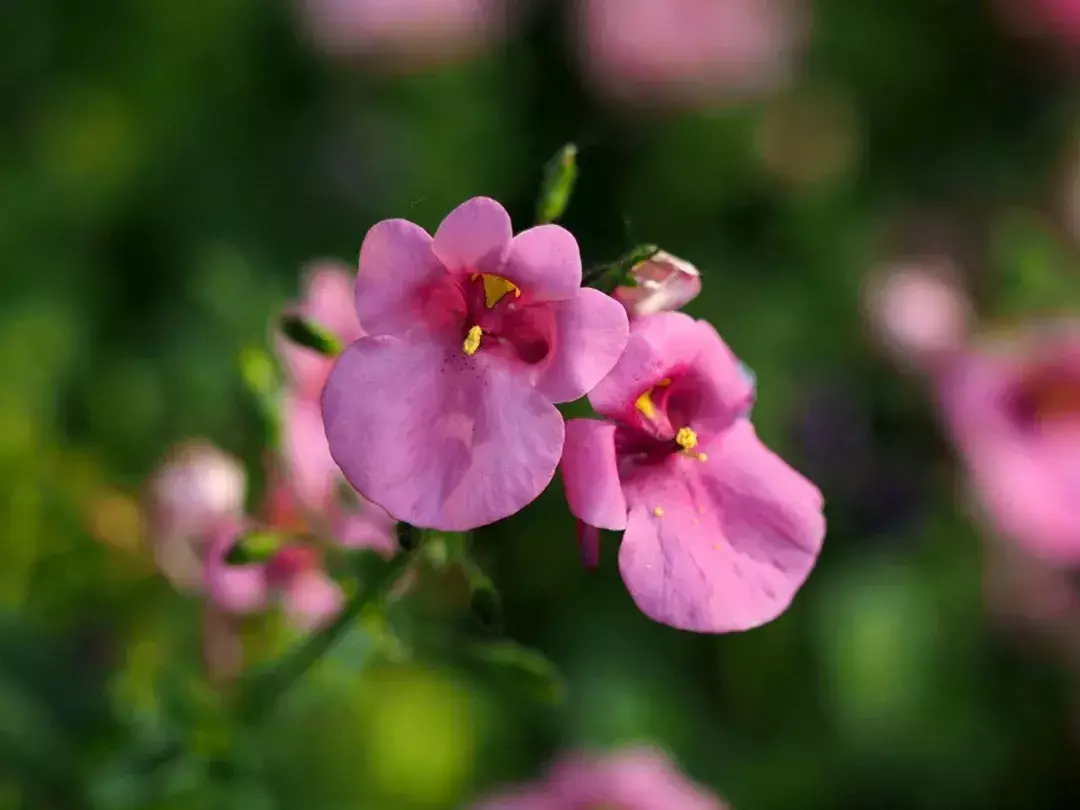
(265, 691)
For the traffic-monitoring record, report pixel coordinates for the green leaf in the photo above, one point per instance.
(255, 547)
(560, 175)
(525, 668)
(309, 335)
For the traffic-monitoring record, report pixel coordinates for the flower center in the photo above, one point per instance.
(495, 289)
(686, 438)
(1051, 398)
(644, 403)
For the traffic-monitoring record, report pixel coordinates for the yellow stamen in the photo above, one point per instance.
(472, 341)
(658, 512)
(496, 288)
(645, 405)
(686, 438)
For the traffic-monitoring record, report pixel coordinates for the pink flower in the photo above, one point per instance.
(293, 577)
(409, 33)
(689, 51)
(1013, 406)
(919, 311)
(662, 283)
(633, 779)
(1045, 19)
(443, 415)
(719, 532)
(195, 489)
(309, 492)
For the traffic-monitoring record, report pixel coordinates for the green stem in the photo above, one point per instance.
(265, 691)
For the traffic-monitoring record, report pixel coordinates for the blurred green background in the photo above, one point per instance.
(166, 169)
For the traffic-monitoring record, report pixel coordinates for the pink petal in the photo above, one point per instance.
(437, 438)
(545, 263)
(474, 237)
(591, 331)
(636, 777)
(329, 301)
(524, 799)
(234, 588)
(666, 343)
(591, 474)
(588, 540)
(723, 545)
(312, 599)
(311, 470)
(372, 529)
(397, 266)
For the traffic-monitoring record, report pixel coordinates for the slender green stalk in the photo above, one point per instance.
(263, 693)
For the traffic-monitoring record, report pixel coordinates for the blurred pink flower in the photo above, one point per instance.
(662, 283)
(444, 416)
(293, 576)
(196, 488)
(691, 51)
(633, 779)
(1046, 19)
(1013, 406)
(720, 533)
(309, 492)
(918, 310)
(405, 33)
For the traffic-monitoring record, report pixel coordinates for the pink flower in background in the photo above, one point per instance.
(1013, 406)
(633, 779)
(662, 283)
(293, 576)
(720, 533)
(691, 51)
(1051, 19)
(309, 492)
(443, 415)
(919, 310)
(405, 33)
(196, 488)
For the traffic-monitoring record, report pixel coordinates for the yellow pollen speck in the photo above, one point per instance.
(716, 547)
(664, 383)
(686, 438)
(472, 341)
(658, 512)
(702, 457)
(645, 405)
(496, 288)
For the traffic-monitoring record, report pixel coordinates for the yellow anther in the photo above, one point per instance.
(496, 288)
(686, 438)
(645, 405)
(658, 512)
(472, 341)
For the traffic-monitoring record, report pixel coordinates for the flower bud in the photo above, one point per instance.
(661, 283)
(195, 489)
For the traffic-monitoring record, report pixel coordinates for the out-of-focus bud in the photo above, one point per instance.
(195, 489)
(560, 175)
(309, 335)
(661, 283)
(918, 310)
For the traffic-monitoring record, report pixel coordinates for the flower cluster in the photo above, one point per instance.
(197, 496)
(444, 413)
